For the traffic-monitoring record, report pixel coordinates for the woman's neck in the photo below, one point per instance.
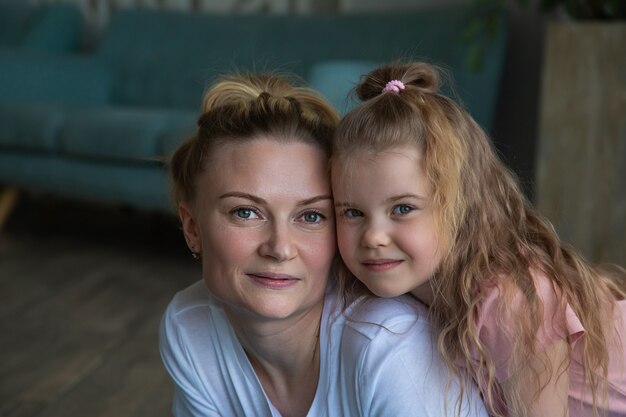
(285, 355)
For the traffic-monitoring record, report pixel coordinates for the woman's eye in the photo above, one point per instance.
(312, 217)
(245, 213)
(402, 209)
(352, 213)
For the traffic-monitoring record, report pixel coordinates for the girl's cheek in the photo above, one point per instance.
(346, 244)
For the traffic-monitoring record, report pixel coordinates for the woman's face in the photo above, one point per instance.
(263, 221)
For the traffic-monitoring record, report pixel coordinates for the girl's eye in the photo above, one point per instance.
(402, 209)
(312, 217)
(352, 213)
(245, 213)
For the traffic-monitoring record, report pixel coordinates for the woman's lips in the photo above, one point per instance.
(271, 280)
(381, 265)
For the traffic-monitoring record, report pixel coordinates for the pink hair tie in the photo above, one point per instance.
(394, 85)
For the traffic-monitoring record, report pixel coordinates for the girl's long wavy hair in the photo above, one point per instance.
(244, 107)
(489, 229)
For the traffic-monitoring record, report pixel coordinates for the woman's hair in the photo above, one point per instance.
(488, 228)
(245, 107)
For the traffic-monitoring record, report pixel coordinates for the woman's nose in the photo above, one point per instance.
(279, 244)
(374, 236)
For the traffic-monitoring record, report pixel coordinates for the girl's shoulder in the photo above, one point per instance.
(504, 302)
(501, 290)
(371, 315)
(505, 308)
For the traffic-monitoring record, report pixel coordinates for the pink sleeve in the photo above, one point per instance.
(495, 323)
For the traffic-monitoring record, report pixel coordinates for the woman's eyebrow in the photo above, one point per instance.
(259, 200)
(247, 196)
(315, 199)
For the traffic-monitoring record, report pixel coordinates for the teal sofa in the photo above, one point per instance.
(100, 124)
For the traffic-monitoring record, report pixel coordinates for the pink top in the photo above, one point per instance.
(560, 322)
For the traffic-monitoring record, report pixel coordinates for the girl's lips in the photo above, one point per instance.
(381, 265)
(274, 281)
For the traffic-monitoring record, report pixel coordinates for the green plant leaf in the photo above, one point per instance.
(476, 56)
(493, 24)
(473, 29)
(615, 9)
(578, 9)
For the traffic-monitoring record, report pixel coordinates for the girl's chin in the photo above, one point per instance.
(387, 292)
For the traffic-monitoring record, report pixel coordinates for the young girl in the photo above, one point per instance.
(424, 206)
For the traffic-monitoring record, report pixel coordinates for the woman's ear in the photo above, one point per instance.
(190, 228)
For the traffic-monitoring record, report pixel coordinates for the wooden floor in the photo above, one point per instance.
(82, 290)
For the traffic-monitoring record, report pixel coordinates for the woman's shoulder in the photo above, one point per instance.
(194, 296)
(192, 308)
(193, 320)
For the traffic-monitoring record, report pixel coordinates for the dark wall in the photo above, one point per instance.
(517, 117)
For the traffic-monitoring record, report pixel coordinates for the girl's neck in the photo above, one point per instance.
(285, 355)
(424, 293)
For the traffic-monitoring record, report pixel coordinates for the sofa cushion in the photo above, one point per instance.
(188, 50)
(45, 77)
(30, 127)
(138, 186)
(122, 134)
(335, 80)
(14, 22)
(179, 131)
(56, 27)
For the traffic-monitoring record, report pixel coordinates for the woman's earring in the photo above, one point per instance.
(195, 255)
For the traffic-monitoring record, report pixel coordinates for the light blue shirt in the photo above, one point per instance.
(376, 359)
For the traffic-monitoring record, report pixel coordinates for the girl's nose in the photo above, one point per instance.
(374, 236)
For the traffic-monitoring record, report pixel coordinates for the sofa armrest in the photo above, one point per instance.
(336, 79)
(44, 77)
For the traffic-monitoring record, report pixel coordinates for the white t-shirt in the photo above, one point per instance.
(379, 361)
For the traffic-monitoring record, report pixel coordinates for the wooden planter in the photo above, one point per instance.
(581, 161)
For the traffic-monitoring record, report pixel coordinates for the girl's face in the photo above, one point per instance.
(385, 224)
(264, 223)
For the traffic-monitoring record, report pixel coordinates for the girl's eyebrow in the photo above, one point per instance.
(389, 200)
(259, 200)
(403, 196)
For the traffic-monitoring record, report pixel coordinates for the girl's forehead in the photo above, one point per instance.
(391, 169)
(360, 158)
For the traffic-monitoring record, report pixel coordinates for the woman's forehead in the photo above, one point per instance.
(270, 167)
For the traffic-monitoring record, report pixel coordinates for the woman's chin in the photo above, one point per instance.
(272, 308)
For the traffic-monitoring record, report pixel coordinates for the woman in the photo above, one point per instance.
(262, 334)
